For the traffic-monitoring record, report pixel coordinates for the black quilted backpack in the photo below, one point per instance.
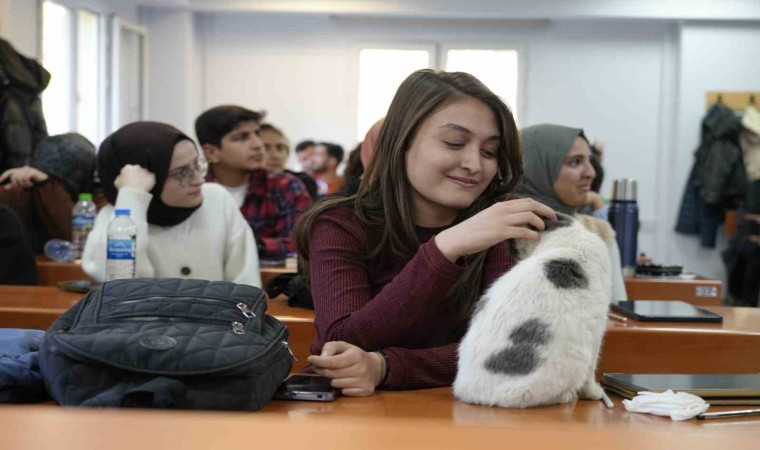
(167, 343)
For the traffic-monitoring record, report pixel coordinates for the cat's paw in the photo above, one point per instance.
(591, 391)
(568, 397)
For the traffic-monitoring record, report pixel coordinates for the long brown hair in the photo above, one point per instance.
(384, 199)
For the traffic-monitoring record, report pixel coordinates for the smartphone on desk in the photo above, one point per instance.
(307, 387)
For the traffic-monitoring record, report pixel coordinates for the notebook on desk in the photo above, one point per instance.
(716, 389)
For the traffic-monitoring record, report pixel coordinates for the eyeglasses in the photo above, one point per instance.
(185, 175)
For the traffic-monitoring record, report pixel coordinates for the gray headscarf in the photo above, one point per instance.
(70, 158)
(545, 148)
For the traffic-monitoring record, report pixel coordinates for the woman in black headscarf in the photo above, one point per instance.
(44, 193)
(559, 174)
(185, 227)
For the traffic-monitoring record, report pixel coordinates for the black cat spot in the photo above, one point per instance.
(531, 332)
(520, 359)
(565, 274)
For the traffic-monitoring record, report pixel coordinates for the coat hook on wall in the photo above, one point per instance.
(752, 99)
(720, 99)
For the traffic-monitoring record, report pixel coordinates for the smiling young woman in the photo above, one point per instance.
(396, 269)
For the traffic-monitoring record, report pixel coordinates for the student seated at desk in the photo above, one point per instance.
(44, 193)
(270, 202)
(277, 148)
(185, 228)
(397, 268)
(559, 173)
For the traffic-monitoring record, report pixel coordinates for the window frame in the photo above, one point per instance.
(428, 46)
(522, 70)
(438, 49)
(75, 7)
(117, 24)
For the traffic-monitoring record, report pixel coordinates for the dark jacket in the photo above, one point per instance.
(22, 124)
(307, 181)
(17, 261)
(717, 180)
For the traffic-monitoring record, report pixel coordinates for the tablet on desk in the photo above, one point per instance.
(665, 311)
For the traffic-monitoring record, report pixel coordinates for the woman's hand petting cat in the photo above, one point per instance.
(352, 370)
(509, 219)
(135, 177)
(22, 177)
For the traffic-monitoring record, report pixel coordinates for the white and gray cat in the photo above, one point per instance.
(535, 336)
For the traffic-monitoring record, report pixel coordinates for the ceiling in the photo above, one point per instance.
(734, 10)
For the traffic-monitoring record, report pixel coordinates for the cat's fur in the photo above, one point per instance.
(535, 335)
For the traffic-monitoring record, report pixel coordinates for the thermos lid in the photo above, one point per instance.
(624, 189)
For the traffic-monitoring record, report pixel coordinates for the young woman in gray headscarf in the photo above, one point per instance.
(558, 173)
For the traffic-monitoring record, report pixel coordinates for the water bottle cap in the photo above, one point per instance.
(624, 189)
(123, 212)
(85, 196)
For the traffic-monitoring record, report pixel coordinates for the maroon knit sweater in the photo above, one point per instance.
(398, 306)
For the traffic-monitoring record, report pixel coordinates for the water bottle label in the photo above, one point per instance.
(121, 248)
(82, 221)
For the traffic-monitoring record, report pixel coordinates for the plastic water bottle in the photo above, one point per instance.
(59, 250)
(624, 218)
(82, 221)
(121, 247)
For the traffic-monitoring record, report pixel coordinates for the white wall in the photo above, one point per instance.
(713, 57)
(604, 77)
(19, 26)
(173, 61)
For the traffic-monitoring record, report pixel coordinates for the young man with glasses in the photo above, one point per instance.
(270, 202)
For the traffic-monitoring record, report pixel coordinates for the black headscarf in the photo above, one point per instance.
(149, 145)
(70, 158)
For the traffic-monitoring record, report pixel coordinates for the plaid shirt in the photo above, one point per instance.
(272, 205)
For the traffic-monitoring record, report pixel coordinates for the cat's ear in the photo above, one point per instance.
(563, 220)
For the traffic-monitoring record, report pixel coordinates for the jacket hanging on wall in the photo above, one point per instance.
(167, 343)
(22, 124)
(717, 180)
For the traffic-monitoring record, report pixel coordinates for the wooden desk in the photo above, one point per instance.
(49, 273)
(730, 347)
(424, 419)
(33, 306)
(300, 323)
(700, 291)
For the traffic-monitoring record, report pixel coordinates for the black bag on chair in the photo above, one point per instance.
(167, 343)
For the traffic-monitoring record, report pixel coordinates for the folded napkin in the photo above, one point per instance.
(677, 405)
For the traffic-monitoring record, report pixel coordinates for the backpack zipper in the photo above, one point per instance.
(292, 355)
(237, 327)
(244, 308)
